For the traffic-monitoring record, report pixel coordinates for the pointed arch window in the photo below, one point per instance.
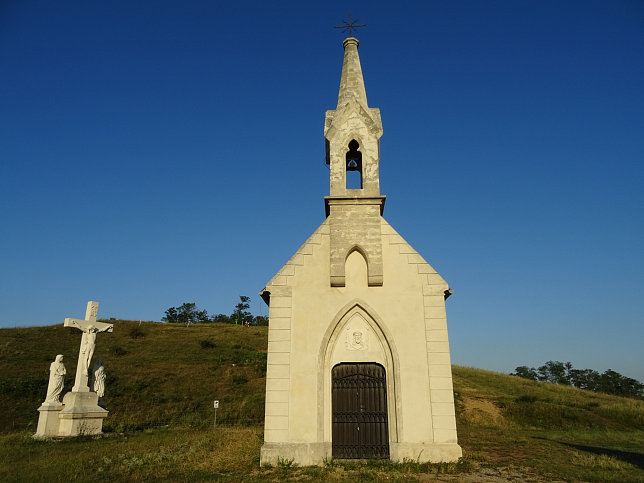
(354, 166)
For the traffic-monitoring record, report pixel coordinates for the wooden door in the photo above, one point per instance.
(359, 411)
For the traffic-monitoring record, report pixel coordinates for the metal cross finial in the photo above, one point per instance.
(349, 26)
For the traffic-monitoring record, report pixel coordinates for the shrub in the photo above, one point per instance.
(137, 332)
(239, 379)
(526, 398)
(206, 344)
(117, 350)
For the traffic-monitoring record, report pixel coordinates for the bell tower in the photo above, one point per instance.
(354, 205)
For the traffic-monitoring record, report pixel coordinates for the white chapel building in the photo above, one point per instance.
(358, 355)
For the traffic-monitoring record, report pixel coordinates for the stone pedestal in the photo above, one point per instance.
(82, 415)
(48, 422)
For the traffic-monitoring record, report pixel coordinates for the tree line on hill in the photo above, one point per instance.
(188, 313)
(610, 382)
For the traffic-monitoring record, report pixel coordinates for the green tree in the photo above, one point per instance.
(554, 372)
(186, 314)
(241, 315)
(221, 318)
(526, 373)
(171, 316)
(612, 382)
(609, 382)
(584, 379)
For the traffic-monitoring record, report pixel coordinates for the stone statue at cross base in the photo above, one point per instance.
(57, 373)
(50, 409)
(98, 382)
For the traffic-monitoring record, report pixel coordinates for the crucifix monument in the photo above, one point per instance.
(80, 412)
(90, 328)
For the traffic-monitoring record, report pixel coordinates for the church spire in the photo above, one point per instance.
(354, 205)
(352, 132)
(351, 82)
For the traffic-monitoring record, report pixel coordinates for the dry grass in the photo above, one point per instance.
(481, 411)
(170, 455)
(602, 461)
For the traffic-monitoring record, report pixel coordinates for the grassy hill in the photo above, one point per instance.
(162, 380)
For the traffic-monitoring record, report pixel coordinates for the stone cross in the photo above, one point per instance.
(90, 328)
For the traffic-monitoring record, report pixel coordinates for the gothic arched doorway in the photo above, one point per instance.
(359, 411)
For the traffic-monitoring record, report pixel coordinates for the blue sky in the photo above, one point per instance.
(155, 153)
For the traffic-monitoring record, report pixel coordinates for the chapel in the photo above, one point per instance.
(358, 356)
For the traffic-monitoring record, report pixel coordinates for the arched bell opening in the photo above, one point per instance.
(354, 166)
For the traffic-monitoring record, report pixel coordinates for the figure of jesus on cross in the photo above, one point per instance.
(90, 328)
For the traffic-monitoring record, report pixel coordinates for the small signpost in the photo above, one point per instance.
(216, 407)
